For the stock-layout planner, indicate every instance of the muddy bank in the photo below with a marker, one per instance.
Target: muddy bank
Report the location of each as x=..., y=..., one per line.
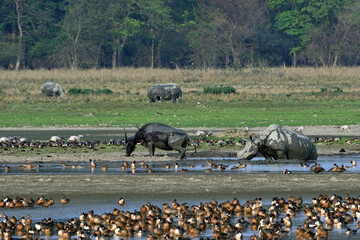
x=161, y=184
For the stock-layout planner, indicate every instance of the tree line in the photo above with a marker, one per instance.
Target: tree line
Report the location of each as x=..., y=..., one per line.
x=170, y=33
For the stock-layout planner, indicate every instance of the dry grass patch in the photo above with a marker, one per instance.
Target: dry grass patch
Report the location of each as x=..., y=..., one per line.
x=131, y=84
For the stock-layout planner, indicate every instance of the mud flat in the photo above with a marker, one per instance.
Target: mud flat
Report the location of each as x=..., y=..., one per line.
x=188, y=183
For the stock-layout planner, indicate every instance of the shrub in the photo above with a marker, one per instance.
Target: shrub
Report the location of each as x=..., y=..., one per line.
x=325, y=91
x=219, y=89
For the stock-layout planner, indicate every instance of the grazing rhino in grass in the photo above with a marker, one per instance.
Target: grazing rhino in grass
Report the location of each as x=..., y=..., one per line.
x=158, y=135
x=161, y=92
x=51, y=89
x=277, y=143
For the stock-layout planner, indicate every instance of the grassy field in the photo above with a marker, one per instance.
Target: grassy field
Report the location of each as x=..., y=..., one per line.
x=287, y=96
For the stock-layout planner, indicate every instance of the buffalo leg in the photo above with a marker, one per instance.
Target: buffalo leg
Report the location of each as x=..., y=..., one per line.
x=179, y=144
x=151, y=148
x=181, y=151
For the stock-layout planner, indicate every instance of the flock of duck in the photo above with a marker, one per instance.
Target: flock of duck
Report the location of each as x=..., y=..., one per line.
x=225, y=220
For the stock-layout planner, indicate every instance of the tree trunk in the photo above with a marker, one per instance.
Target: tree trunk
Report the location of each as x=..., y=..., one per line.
x=114, y=58
x=158, y=54
x=294, y=59
x=20, y=55
x=335, y=61
x=152, y=52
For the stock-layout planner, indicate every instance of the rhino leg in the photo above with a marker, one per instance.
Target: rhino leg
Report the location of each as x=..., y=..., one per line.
x=268, y=158
x=281, y=154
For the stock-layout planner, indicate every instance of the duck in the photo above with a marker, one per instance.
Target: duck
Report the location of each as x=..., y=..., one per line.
x=321, y=232
x=316, y=168
x=28, y=165
x=48, y=202
x=40, y=200
x=104, y=168
x=350, y=232
x=133, y=165
x=64, y=200
x=92, y=163
x=121, y=201
x=242, y=165
x=286, y=171
x=336, y=168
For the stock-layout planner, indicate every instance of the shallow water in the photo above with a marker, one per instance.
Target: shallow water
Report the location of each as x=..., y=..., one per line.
x=195, y=165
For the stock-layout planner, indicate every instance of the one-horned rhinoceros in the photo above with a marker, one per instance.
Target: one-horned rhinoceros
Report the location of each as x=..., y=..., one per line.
x=161, y=92
x=51, y=89
x=158, y=135
x=278, y=143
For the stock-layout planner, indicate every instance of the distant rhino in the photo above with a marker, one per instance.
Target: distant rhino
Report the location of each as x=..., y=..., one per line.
x=277, y=143
x=51, y=89
x=161, y=92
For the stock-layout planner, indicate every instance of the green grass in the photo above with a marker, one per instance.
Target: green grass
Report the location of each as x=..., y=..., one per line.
x=211, y=113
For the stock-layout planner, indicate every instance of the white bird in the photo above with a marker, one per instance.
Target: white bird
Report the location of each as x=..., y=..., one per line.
x=344, y=127
x=77, y=138
x=24, y=140
x=300, y=129
x=55, y=139
x=5, y=139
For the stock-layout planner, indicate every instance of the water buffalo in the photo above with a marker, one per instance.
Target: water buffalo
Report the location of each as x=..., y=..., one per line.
x=158, y=135
x=161, y=92
x=51, y=89
x=277, y=143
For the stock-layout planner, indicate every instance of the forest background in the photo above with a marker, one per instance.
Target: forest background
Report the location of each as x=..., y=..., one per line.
x=83, y=34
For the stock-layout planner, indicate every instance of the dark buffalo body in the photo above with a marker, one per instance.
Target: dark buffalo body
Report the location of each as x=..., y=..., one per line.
x=159, y=92
x=158, y=135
